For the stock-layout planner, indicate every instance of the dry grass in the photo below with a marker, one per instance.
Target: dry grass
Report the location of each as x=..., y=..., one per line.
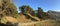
x=41, y=23
x=48, y=23
x=23, y=21
x=8, y=19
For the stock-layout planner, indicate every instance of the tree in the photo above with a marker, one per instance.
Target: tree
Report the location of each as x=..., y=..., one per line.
x=33, y=13
x=11, y=9
x=22, y=8
x=25, y=9
x=28, y=9
x=8, y=8
x=40, y=12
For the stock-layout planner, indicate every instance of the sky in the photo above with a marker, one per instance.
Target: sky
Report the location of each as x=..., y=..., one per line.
x=44, y=4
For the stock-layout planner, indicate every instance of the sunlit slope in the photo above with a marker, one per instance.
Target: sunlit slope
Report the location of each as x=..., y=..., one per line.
x=40, y=23
x=6, y=19
x=54, y=15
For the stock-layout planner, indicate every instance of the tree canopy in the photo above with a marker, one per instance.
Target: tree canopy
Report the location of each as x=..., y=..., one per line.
x=8, y=8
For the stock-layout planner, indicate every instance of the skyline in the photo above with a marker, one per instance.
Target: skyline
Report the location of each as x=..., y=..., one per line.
x=44, y=4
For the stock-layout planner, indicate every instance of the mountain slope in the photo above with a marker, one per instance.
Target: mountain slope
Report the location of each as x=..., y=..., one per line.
x=54, y=15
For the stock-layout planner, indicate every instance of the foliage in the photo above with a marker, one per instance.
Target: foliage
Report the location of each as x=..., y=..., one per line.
x=8, y=8
x=25, y=9
x=39, y=13
x=22, y=9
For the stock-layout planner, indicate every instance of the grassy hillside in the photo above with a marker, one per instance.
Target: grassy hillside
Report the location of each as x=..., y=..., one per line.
x=23, y=21
x=54, y=15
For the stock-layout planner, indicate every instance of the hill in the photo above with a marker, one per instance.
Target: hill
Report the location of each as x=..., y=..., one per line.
x=54, y=15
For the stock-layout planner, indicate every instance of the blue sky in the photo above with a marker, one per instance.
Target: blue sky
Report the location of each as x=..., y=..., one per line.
x=44, y=4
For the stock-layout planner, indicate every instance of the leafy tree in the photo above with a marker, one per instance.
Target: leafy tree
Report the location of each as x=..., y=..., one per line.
x=25, y=9
x=28, y=9
x=40, y=12
x=33, y=13
x=11, y=9
x=22, y=8
x=8, y=8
